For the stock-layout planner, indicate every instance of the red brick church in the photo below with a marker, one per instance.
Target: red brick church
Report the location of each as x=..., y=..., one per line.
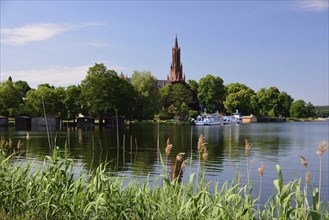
x=176, y=68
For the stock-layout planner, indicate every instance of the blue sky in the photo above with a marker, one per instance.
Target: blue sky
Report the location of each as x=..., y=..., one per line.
x=257, y=43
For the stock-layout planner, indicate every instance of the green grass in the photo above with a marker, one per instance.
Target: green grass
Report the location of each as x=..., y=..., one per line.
x=51, y=191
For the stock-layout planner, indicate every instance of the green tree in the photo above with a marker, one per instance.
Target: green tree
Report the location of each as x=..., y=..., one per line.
x=10, y=98
x=273, y=103
x=175, y=95
x=211, y=93
x=298, y=109
x=240, y=97
x=47, y=98
x=72, y=101
x=310, y=110
x=22, y=86
x=194, y=86
x=103, y=92
x=184, y=111
x=148, y=94
x=284, y=104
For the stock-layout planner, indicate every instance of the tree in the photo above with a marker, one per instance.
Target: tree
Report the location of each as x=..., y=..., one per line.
x=211, y=93
x=184, y=111
x=72, y=101
x=194, y=86
x=175, y=94
x=240, y=97
x=148, y=93
x=298, y=109
x=310, y=110
x=22, y=86
x=10, y=98
x=46, y=98
x=273, y=103
x=284, y=103
x=103, y=92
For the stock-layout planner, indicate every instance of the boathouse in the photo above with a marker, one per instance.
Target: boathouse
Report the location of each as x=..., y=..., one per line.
x=86, y=121
x=23, y=123
x=3, y=121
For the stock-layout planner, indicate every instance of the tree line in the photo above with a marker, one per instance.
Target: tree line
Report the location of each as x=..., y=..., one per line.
x=103, y=92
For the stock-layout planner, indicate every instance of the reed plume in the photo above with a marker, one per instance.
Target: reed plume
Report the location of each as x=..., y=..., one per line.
x=323, y=146
x=179, y=164
x=261, y=173
x=168, y=149
x=28, y=136
x=205, y=154
x=201, y=142
x=307, y=179
x=248, y=145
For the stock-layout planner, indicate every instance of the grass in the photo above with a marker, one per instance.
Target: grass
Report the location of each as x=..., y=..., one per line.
x=51, y=191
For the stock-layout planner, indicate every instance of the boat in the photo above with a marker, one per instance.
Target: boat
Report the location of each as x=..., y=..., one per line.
x=235, y=118
x=238, y=117
x=213, y=119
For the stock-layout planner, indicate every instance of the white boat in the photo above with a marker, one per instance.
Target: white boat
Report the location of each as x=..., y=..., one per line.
x=235, y=118
x=200, y=120
x=238, y=117
x=213, y=119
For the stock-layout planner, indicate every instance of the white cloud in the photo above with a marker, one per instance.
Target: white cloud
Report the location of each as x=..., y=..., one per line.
x=37, y=32
x=57, y=76
x=313, y=5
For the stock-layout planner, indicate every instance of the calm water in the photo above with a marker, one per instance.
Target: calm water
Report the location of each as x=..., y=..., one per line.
x=138, y=155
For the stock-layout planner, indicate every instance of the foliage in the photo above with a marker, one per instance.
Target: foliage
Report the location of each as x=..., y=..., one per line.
x=173, y=96
x=22, y=86
x=322, y=111
x=51, y=97
x=211, y=93
x=148, y=94
x=301, y=109
x=240, y=97
x=273, y=103
x=72, y=101
x=103, y=92
x=10, y=98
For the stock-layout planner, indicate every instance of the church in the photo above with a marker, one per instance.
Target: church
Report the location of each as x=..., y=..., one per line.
x=176, y=68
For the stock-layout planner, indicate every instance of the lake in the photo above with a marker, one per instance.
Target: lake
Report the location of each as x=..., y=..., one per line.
x=138, y=154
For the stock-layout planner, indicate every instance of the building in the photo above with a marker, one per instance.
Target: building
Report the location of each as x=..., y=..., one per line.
x=40, y=123
x=23, y=123
x=86, y=121
x=176, y=68
x=3, y=121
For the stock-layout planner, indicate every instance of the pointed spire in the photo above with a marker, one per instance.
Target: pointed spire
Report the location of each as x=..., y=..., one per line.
x=176, y=42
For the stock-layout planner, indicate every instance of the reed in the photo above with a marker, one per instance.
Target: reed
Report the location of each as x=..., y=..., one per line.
x=307, y=179
x=261, y=173
x=249, y=164
x=323, y=146
x=51, y=191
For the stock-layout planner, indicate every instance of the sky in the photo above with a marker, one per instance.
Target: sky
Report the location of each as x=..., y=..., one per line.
x=282, y=43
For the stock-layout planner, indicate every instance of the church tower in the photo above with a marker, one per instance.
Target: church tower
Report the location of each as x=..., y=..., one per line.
x=176, y=67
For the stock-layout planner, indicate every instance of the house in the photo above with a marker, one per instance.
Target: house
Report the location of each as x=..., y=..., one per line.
x=23, y=123
x=42, y=122
x=3, y=121
x=85, y=121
